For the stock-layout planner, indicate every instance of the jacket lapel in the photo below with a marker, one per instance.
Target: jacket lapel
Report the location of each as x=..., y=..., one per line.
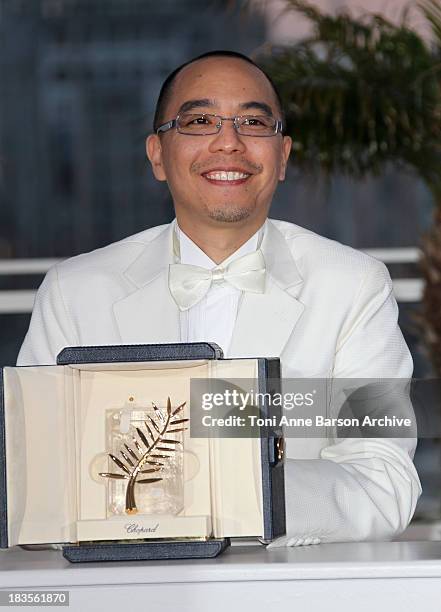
x=149, y=314
x=265, y=321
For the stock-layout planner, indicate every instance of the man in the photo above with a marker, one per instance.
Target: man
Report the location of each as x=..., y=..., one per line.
x=325, y=309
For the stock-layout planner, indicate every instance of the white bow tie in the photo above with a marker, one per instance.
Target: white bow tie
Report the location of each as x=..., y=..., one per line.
x=188, y=284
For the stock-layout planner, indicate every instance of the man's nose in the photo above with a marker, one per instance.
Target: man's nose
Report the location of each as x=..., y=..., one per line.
x=227, y=139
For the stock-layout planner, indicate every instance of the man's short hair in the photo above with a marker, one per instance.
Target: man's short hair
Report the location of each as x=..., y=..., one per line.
x=167, y=87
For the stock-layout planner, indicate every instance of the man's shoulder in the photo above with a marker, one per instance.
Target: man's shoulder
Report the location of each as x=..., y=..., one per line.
x=318, y=255
x=113, y=257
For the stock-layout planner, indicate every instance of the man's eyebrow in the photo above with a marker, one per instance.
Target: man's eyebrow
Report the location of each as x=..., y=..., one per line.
x=191, y=104
x=262, y=106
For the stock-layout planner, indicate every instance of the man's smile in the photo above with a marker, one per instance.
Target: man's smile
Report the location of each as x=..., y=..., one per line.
x=226, y=176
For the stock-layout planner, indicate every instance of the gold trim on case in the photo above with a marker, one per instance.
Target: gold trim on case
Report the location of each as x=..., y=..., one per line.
x=280, y=448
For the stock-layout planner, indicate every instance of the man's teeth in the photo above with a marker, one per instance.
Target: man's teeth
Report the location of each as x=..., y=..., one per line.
x=226, y=176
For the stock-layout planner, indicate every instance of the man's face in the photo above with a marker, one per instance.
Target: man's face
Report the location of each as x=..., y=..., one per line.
x=195, y=166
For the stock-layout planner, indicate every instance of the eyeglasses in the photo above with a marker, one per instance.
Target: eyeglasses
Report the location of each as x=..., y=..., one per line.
x=204, y=124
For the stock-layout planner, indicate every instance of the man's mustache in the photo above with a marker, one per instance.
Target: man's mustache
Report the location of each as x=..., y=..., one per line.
x=218, y=162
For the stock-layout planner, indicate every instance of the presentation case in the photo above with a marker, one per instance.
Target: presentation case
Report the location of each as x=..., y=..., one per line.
x=96, y=454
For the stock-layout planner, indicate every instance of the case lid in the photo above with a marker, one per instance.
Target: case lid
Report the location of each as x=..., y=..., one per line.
x=139, y=352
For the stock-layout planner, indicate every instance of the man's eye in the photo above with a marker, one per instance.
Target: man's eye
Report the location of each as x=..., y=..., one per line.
x=194, y=123
x=254, y=121
x=200, y=120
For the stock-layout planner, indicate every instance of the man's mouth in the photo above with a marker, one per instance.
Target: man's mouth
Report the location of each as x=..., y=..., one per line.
x=226, y=177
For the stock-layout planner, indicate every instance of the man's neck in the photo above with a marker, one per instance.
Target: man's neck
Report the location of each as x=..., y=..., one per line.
x=218, y=243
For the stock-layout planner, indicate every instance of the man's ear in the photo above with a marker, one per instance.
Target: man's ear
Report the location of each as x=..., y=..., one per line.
x=286, y=150
x=153, y=149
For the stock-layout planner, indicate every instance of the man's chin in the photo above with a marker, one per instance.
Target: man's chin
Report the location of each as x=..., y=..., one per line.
x=229, y=214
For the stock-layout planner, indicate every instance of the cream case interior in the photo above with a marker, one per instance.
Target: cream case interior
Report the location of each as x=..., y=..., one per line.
x=58, y=432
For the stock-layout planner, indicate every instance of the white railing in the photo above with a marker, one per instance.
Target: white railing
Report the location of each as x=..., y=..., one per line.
x=22, y=300
x=12, y=267
x=17, y=301
x=405, y=289
x=398, y=255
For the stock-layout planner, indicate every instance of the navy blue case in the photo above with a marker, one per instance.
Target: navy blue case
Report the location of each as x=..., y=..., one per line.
x=144, y=551
x=273, y=485
x=139, y=352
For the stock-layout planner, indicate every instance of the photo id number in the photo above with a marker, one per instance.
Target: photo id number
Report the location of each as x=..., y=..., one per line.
x=34, y=598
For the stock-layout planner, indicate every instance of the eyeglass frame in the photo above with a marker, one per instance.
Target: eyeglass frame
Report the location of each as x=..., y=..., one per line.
x=168, y=125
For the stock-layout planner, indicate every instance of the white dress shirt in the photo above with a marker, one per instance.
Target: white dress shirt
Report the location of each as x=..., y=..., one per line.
x=213, y=318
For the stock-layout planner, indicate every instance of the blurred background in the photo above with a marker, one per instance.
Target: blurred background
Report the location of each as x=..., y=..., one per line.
x=79, y=81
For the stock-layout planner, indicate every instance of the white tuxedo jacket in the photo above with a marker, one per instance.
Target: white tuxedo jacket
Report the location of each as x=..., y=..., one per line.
x=327, y=311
